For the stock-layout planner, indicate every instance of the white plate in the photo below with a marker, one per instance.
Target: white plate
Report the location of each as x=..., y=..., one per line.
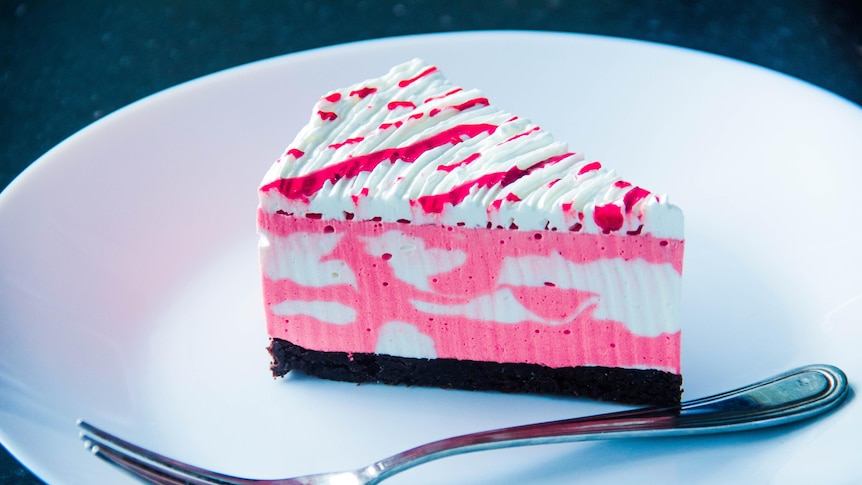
x=130, y=295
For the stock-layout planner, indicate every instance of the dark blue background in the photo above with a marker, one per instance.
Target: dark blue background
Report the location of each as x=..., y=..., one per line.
x=65, y=64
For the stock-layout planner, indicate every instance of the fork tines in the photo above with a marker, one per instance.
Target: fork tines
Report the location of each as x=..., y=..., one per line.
x=147, y=465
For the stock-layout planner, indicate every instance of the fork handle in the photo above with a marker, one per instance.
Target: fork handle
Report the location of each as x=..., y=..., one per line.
x=795, y=395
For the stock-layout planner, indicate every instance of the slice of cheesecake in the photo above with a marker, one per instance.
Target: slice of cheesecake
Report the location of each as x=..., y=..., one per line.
x=413, y=233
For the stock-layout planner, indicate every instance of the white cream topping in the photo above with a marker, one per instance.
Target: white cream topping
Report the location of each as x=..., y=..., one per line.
x=562, y=194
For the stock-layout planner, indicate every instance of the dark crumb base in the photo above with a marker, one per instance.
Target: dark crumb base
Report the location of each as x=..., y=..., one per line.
x=630, y=386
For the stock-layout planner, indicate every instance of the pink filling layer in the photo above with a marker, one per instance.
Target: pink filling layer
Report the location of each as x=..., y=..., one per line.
x=379, y=293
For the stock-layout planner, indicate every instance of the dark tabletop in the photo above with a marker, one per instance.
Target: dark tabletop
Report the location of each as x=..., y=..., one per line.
x=65, y=64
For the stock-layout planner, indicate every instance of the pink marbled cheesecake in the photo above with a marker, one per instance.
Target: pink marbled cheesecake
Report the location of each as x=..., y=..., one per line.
x=413, y=233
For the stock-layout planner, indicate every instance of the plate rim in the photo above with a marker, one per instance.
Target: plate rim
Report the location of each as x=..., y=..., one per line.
x=24, y=180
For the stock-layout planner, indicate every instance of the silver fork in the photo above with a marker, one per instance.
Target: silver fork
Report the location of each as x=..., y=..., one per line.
x=795, y=395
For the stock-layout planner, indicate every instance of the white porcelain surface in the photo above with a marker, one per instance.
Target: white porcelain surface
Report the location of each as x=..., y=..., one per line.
x=129, y=290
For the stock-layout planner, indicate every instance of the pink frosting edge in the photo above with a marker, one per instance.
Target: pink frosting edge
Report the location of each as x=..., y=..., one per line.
x=583, y=341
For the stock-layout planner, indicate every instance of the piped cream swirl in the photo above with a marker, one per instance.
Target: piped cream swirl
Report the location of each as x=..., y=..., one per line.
x=411, y=146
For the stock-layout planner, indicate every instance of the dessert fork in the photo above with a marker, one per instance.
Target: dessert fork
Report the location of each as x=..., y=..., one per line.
x=795, y=395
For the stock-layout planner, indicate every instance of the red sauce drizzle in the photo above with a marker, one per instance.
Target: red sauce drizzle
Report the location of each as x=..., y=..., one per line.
x=295, y=152
x=633, y=196
x=449, y=168
x=393, y=105
x=327, y=115
x=406, y=82
x=399, y=123
x=334, y=97
x=553, y=182
x=306, y=185
x=386, y=126
x=473, y=102
x=348, y=141
x=510, y=197
x=362, y=193
x=443, y=95
x=567, y=206
x=589, y=167
x=608, y=217
x=363, y=92
x=622, y=184
x=433, y=204
x=519, y=135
